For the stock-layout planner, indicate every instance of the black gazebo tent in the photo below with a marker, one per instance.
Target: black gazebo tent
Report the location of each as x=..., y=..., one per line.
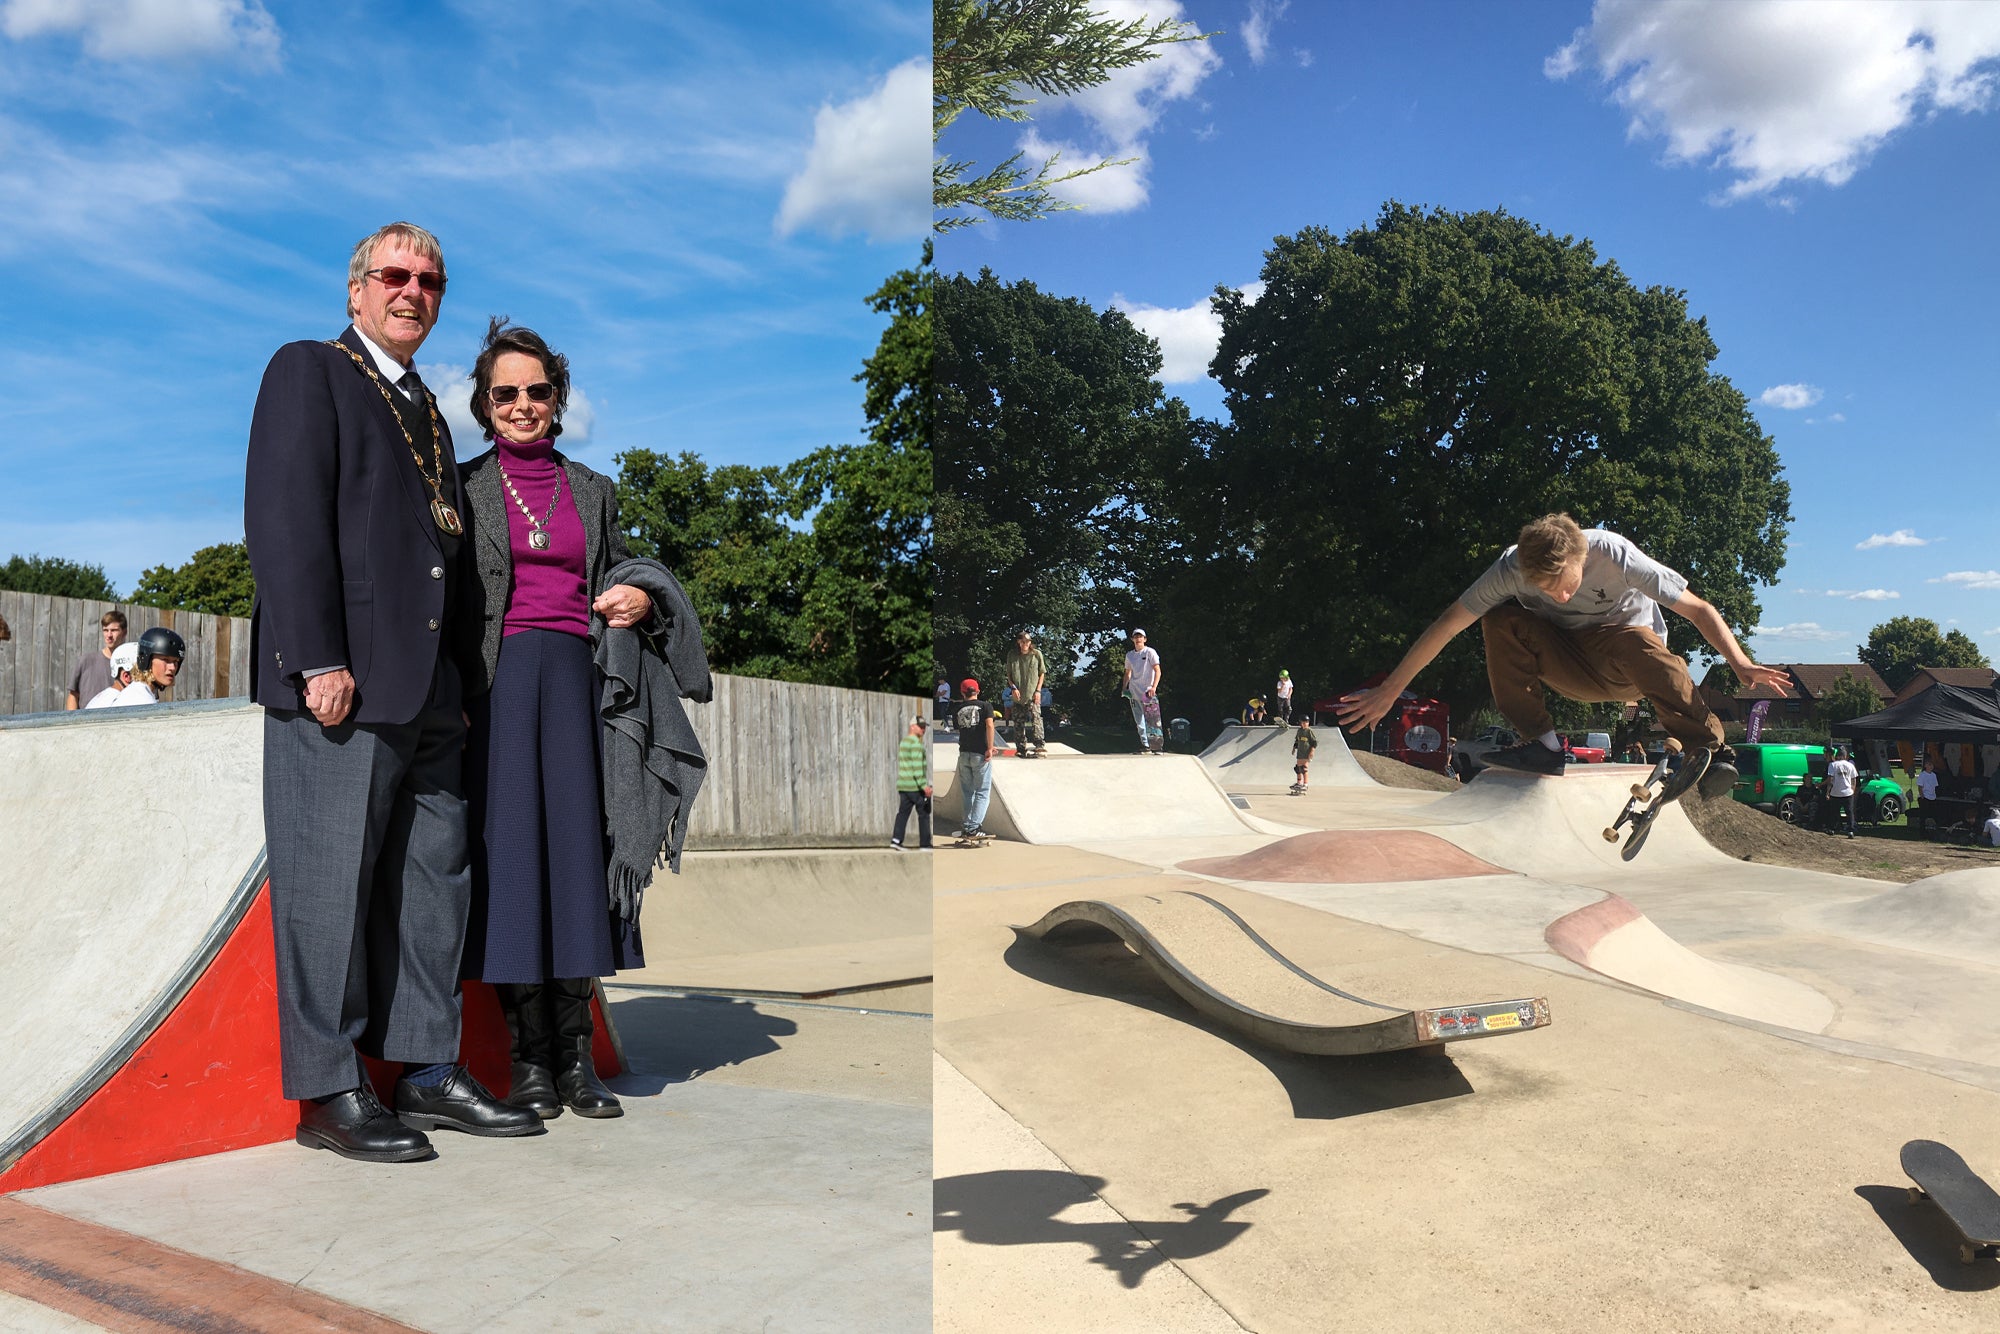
x=1942, y=713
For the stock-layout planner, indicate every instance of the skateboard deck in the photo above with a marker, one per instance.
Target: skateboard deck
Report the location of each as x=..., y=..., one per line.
x=1659, y=788
x=1966, y=1201
x=974, y=841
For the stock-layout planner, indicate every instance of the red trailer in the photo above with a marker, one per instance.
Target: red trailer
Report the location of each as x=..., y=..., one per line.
x=1417, y=731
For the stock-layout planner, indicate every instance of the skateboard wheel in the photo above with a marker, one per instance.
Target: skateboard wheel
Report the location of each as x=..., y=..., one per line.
x=1611, y=836
x=1916, y=1196
x=1967, y=1253
x=1639, y=791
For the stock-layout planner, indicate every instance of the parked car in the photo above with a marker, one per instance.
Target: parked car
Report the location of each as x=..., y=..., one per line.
x=1591, y=751
x=1773, y=776
x=1468, y=757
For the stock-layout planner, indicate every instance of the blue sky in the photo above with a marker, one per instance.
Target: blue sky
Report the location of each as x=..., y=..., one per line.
x=1819, y=179
x=691, y=200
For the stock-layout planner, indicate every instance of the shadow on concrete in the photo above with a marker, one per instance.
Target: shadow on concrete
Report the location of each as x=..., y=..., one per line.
x=1019, y=1208
x=1322, y=1088
x=672, y=1039
x=1931, y=1240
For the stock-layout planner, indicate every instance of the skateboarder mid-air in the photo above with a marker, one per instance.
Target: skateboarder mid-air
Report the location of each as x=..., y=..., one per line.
x=1577, y=611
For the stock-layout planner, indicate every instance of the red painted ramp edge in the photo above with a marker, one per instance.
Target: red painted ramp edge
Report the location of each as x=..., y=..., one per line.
x=203, y=1076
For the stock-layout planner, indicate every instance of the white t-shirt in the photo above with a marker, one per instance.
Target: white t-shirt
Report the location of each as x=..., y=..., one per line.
x=112, y=697
x=1840, y=776
x=1144, y=664
x=1622, y=585
x=1991, y=832
x=1927, y=785
x=102, y=699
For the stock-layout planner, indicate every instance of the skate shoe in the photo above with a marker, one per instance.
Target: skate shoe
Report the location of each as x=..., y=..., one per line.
x=1528, y=756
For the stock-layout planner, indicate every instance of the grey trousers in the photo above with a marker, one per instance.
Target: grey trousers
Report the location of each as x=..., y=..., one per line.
x=365, y=828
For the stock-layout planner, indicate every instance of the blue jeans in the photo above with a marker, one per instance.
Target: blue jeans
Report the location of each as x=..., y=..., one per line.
x=1147, y=731
x=975, y=787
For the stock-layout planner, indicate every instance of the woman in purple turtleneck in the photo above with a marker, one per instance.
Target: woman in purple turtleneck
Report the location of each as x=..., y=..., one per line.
x=542, y=530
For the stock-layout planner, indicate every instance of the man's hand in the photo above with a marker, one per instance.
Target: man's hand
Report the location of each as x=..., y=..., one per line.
x=623, y=606
x=330, y=697
x=1750, y=674
x=1365, y=708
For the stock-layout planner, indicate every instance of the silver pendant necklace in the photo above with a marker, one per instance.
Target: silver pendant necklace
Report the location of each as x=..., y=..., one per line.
x=538, y=529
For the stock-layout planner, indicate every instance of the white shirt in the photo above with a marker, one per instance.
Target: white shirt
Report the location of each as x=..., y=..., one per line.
x=1840, y=776
x=102, y=698
x=391, y=370
x=1927, y=785
x=113, y=698
x=1144, y=665
x=1991, y=833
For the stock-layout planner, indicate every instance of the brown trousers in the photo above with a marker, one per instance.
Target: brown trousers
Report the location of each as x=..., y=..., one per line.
x=1611, y=664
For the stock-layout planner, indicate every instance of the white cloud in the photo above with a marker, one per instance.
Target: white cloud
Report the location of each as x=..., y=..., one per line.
x=1305, y=57
x=1122, y=111
x=1187, y=335
x=1783, y=91
x=1864, y=595
x=1790, y=397
x=1831, y=418
x=150, y=29
x=1971, y=579
x=1802, y=631
x=1257, y=26
x=1902, y=537
x=869, y=166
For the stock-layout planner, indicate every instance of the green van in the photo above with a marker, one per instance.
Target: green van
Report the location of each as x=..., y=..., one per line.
x=1769, y=776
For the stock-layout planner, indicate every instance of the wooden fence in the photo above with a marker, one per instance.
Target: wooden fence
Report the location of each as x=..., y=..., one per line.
x=47, y=635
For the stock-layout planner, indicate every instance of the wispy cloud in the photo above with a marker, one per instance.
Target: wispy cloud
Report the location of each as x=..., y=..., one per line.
x=1809, y=632
x=1863, y=595
x=1187, y=335
x=1983, y=579
x=150, y=30
x=868, y=170
x=1257, y=27
x=1790, y=397
x=1775, y=93
x=1117, y=188
x=1902, y=537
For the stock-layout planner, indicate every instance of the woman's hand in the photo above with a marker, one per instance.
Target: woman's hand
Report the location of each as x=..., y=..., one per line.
x=623, y=606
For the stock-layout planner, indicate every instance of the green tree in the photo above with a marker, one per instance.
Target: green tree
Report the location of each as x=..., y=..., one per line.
x=216, y=580
x=1404, y=397
x=1900, y=645
x=866, y=608
x=1058, y=445
x=987, y=55
x=57, y=577
x=1849, y=697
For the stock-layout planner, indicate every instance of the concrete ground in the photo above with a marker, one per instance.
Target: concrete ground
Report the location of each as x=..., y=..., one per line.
x=1641, y=1164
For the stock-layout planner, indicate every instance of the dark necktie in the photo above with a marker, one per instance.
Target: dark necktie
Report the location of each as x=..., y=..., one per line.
x=412, y=386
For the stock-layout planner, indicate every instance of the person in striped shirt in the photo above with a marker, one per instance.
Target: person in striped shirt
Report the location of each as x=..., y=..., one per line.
x=913, y=786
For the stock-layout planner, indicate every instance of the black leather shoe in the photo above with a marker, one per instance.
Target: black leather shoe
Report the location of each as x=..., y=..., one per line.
x=462, y=1103
x=581, y=1090
x=356, y=1125
x=535, y=1089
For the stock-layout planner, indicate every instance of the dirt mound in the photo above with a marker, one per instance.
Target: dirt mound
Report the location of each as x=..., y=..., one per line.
x=1395, y=773
x=1747, y=834
x=1348, y=857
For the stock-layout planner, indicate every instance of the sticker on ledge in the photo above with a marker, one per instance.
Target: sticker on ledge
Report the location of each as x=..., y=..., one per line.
x=1505, y=1019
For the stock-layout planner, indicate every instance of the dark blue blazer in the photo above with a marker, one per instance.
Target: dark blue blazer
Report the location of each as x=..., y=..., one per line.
x=351, y=568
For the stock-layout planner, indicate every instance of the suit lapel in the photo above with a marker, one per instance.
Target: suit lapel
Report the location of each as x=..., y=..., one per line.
x=392, y=425
x=489, y=507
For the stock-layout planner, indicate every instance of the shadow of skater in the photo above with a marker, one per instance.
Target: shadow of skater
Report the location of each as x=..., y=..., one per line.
x=1019, y=1208
x=1931, y=1241
x=673, y=1039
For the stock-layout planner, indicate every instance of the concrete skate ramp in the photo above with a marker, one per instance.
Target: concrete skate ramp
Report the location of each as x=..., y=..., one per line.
x=1215, y=962
x=1614, y=938
x=1956, y=914
x=1347, y=857
x=1554, y=826
x=1261, y=757
x=1092, y=798
x=134, y=844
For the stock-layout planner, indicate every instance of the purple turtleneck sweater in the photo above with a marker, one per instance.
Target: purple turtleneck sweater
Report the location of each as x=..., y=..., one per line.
x=549, y=589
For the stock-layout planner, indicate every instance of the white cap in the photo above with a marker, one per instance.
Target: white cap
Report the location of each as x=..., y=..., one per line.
x=125, y=658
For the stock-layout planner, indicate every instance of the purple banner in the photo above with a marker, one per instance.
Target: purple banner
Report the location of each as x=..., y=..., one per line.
x=1755, y=727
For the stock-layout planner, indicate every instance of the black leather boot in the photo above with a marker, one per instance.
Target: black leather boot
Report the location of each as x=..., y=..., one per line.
x=529, y=1024
x=576, y=1072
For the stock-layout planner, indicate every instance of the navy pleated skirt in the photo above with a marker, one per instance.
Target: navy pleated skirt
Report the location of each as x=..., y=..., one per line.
x=540, y=908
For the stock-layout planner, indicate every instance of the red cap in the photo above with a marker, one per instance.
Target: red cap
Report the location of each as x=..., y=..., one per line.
x=968, y=685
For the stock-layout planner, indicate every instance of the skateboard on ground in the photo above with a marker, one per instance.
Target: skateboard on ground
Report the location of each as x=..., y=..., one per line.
x=1298, y=789
x=1660, y=787
x=978, y=840
x=1966, y=1201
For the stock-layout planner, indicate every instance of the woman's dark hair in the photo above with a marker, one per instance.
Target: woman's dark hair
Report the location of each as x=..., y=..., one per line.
x=502, y=337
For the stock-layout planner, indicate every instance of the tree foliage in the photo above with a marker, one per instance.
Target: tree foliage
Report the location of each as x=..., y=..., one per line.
x=1900, y=645
x=216, y=580
x=1404, y=397
x=57, y=577
x=1058, y=447
x=1849, y=697
x=988, y=55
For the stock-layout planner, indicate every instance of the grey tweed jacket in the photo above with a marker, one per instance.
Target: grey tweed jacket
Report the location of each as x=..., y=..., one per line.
x=488, y=575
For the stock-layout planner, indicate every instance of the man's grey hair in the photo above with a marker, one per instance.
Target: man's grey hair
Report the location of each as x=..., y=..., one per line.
x=414, y=236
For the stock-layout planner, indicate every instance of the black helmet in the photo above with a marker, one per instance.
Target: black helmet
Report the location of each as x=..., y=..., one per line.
x=160, y=642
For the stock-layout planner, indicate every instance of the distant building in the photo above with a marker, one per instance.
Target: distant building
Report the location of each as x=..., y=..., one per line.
x=1971, y=678
x=1810, y=682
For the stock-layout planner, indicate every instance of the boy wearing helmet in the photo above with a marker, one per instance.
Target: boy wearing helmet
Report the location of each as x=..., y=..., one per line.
x=124, y=659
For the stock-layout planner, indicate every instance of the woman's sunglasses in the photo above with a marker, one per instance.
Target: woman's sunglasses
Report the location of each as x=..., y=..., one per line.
x=503, y=394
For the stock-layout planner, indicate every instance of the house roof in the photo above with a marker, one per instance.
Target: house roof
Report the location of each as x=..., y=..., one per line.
x=1972, y=678
x=1816, y=678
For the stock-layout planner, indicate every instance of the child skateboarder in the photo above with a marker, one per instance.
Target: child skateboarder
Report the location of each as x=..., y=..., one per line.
x=1303, y=746
x=1578, y=611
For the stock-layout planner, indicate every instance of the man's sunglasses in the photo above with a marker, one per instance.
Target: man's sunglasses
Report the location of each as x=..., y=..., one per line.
x=397, y=279
x=503, y=394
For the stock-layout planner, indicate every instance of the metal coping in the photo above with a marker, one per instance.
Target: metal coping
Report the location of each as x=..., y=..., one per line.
x=155, y=712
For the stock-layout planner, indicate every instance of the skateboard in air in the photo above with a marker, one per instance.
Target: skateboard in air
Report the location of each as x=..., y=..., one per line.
x=1660, y=787
x=1966, y=1201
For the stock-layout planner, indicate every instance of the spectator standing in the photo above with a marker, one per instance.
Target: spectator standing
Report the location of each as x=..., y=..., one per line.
x=1026, y=672
x=974, y=720
x=1281, y=695
x=942, y=694
x=1140, y=685
x=1840, y=782
x=913, y=786
x=124, y=659
x=93, y=669
x=1927, y=785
